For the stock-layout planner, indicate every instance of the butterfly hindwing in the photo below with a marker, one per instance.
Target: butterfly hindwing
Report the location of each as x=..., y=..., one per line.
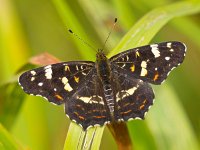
x=133, y=96
x=151, y=63
x=56, y=82
x=86, y=107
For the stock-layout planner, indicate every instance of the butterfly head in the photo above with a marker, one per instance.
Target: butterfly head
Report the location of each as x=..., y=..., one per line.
x=100, y=55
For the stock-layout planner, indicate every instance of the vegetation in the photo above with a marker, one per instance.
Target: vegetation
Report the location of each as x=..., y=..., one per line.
x=29, y=28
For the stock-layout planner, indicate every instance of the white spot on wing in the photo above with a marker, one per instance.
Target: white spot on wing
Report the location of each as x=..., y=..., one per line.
x=77, y=67
x=127, y=58
x=84, y=73
x=40, y=84
x=167, y=58
x=123, y=65
x=144, y=64
x=32, y=78
x=89, y=99
x=64, y=80
x=185, y=47
x=138, y=118
x=143, y=72
x=169, y=45
x=33, y=72
x=48, y=72
x=154, y=49
x=67, y=86
x=128, y=92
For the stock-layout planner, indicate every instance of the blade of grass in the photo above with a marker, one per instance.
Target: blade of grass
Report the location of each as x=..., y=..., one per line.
x=71, y=21
x=79, y=139
x=141, y=33
x=6, y=140
x=12, y=41
x=11, y=100
x=193, y=33
x=148, y=26
x=172, y=129
x=124, y=9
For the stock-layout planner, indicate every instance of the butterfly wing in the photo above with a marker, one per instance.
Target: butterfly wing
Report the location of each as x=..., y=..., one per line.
x=151, y=63
x=56, y=82
x=86, y=107
x=133, y=96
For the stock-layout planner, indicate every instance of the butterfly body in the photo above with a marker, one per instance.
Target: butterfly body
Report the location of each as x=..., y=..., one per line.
x=104, y=74
x=108, y=90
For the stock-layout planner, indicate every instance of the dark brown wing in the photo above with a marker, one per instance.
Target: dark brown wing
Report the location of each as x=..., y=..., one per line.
x=86, y=107
x=151, y=63
x=55, y=82
x=133, y=96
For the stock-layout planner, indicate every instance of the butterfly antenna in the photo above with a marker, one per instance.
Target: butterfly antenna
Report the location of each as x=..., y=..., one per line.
x=115, y=21
x=70, y=31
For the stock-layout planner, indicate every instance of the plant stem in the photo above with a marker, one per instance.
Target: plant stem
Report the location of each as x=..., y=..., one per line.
x=121, y=135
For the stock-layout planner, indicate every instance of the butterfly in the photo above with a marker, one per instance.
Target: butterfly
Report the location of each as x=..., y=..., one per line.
x=108, y=90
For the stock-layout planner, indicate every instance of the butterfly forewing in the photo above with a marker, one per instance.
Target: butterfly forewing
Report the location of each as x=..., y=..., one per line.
x=151, y=63
x=86, y=107
x=56, y=82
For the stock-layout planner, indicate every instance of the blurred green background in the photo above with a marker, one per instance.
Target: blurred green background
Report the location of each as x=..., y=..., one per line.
x=28, y=28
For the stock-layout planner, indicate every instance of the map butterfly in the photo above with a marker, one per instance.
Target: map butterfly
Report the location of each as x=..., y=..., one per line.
x=108, y=90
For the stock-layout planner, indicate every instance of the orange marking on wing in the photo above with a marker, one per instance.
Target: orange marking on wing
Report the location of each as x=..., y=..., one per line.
x=141, y=107
x=126, y=112
x=132, y=68
x=144, y=102
x=76, y=79
x=126, y=104
x=58, y=97
x=156, y=76
x=80, y=107
x=99, y=117
x=80, y=117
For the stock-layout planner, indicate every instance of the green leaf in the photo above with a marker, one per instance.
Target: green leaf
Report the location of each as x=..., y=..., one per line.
x=11, y=99
x=141, y=33
x=148, y=26
x=168, y=122
x=7, y=142
x=79, y=139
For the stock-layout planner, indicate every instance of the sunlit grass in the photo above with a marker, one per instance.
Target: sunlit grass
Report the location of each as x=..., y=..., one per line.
x=172, y=123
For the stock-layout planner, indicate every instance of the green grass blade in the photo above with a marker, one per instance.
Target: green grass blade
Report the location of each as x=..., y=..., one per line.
x=11, y=100
x=141, y=33
x=148, y=26
x=193, y=33
x=69, y=18
x=170, y=125
x=79, y=139
x=6, y=140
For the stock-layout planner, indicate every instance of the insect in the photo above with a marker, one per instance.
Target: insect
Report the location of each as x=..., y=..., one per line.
x=108, y=90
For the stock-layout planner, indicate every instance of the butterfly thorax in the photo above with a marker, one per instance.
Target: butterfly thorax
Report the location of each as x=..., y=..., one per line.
x=105, y=75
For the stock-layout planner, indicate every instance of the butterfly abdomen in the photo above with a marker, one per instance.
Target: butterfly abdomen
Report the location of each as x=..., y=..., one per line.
x=104, y=73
